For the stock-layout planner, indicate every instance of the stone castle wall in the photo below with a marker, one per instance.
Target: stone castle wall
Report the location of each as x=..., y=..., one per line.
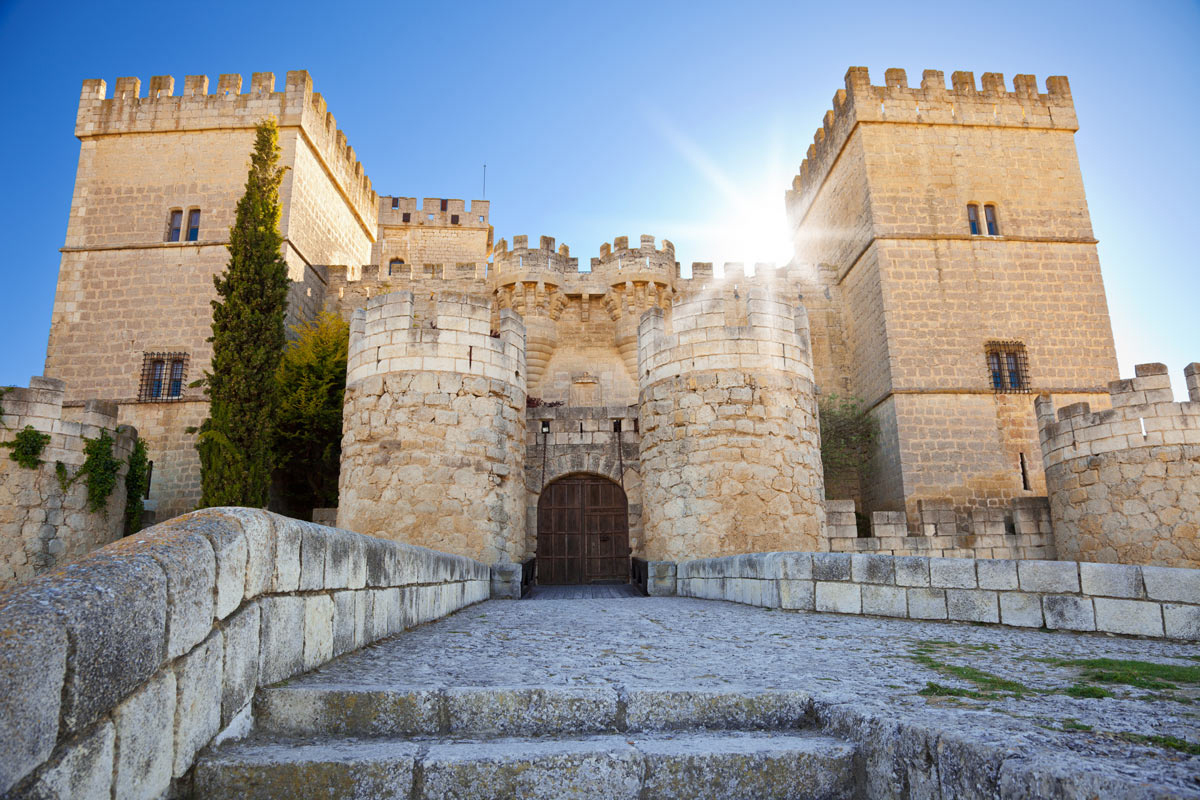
x=730, y=448
x=431, y=235
x=880, y=205
x=433, y=451
x=40, y=525
x=1125, y=483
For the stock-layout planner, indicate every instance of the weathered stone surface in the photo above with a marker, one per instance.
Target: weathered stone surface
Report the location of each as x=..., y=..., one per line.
x=240, y=671
x=840, y=598
x=1181, y=622
x=927, y=603
x=282, y=639
x=1048, y=576
x=329, y=771
x=258, y=532
x=83, y=771
x=747, y=767
x=972, y=605
x=868, y=568
x=952, y=573
x=796, y=594
x=145, y=738
x=912, y=571
x=1173, y=585
x=1134, y=617
x=997, y=573
x=33, y=664
x=604, y=768
x=224, y=534
x=313, y=544
x=288, y=539
x=318, y=630
x=1021, y=609
x=314, y=710
x=1068, y=612
x=679, y=709
x=187, y=559
x=343, y=622
x=497, y=711
x=831, y=566
x=198, y=682
x=1111, y=580
x=886, y=601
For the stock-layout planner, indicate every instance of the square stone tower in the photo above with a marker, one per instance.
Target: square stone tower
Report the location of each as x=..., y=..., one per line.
x=159, y=177
x=949, y=233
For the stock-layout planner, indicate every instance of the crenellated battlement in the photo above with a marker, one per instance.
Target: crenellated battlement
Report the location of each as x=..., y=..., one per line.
x=386, y=337
x=160, y=110
x=991, y=104
x=528, y=264
x=433, y=211
x=752, y=331
x=620, y=263
x=1143, y=414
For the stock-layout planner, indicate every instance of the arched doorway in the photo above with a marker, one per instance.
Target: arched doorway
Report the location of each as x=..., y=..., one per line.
x=583, y=532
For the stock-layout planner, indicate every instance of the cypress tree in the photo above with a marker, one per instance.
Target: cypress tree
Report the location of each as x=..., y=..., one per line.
x=236, y=442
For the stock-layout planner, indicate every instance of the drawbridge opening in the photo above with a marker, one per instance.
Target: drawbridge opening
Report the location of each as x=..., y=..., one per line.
x=583, y=532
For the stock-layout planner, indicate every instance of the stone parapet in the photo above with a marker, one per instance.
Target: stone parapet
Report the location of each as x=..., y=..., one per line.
x=1060, y=595
x=41, y=524
x=156, y=644
x=436, y=211
x=1124, y=483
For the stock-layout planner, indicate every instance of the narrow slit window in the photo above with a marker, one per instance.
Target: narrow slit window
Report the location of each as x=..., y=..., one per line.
x=973, y=219
x=193, y=230
x=616, y=426
x=1024, y=473
x=174, y=226
x=989, y=213
x=545, y=426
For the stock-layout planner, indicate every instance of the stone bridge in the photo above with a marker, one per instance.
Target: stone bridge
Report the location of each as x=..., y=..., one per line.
x=234, y=653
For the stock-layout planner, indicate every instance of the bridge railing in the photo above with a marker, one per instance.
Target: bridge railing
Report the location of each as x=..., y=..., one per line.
x=117, y=669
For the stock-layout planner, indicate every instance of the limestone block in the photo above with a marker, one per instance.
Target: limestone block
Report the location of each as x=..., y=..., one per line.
x=926, y=603
x=379, y=559
x=381, y=609
x=1048, y=576
x=791, y=566
x=768, y=594
x=343, y=621
x=281, y=648
x=794, y=594
x=1181, y=622
x=1020, y=609
x=82, y=770
x=872, y=568
x=839, y=598
x=1172, y=584
x=505, y=581
x=113, y=604
x=996, y=573
x=952, y=573
x=531, y=711
x=681, y=709
x=972, y=605
x=225, y=536
x=831, y=566
x=884, y=601
x=1111, y=580
x=187, y=559
x=144, y=740
x=240, y=671
x=318, y=630
x=33, y=663
x=661, y=577
x=339, y=547
x=312, y=557
x=1068, y=612
x=1133, y=617
x=288, y=544
x=912, y=570
x=258, y=532
x=198, y=681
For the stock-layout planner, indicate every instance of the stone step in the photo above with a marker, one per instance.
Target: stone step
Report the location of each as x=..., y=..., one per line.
x=722, y=766
x=487, y=711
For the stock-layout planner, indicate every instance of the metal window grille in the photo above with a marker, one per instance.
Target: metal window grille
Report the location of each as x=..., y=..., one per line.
x=163, y=376
x=1008, y=366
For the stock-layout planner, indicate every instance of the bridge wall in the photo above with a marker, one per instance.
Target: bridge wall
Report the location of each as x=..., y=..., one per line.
x=120, y=667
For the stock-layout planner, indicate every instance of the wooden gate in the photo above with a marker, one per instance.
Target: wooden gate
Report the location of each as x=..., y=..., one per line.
x=583, y=532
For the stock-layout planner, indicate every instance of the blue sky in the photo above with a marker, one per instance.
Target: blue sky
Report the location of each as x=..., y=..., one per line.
x=597, y=120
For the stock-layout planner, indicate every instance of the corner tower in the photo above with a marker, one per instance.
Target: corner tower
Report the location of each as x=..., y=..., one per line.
x=953, y=225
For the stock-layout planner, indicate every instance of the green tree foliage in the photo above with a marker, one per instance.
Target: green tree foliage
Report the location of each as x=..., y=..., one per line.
x=312, y=380
x=237, y=441
x=848, y=436
x=136, y=482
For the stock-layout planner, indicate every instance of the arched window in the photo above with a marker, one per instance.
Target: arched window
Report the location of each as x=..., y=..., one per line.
x=395, y=266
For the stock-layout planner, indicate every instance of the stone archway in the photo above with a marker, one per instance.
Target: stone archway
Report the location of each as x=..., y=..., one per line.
x=583, y=531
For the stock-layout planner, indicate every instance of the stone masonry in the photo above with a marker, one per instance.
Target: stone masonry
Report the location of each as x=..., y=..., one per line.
x=434, y=429
x=1125, y=483
x=730, y=447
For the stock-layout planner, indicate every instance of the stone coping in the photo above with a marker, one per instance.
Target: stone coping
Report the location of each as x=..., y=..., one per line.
x=1060, y=595
x=120, y=667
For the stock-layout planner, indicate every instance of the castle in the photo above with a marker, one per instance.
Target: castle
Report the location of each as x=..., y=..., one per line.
x=503, y=403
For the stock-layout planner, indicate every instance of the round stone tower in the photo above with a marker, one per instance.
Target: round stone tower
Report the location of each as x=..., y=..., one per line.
x=433, y=445
x=529, y=280
x=730, y=446
x=638, y=279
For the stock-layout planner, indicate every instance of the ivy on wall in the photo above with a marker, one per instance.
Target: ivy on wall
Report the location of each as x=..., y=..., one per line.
x=27, y=447
x=99, y=471
x=136, y=483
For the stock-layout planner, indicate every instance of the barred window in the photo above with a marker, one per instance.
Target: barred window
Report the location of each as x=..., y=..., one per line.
x=163, y=376
x=1008, y=365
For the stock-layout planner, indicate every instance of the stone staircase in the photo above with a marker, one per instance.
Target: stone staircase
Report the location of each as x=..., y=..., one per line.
x=331, y=742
